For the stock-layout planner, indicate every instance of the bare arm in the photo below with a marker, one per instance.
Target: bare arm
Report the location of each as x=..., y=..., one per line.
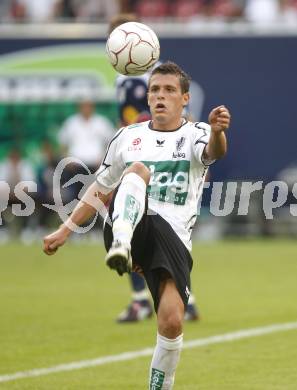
x=219, y=119
x=92, y=201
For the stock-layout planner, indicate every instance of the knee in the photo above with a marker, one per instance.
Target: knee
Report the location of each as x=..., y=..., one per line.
x=140, y=169
x=171, y=326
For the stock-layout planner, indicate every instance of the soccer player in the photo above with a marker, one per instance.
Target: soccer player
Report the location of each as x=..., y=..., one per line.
x=157, y=169
x=133, y=108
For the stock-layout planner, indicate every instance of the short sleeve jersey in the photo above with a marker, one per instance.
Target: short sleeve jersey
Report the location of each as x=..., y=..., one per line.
x=175, y=160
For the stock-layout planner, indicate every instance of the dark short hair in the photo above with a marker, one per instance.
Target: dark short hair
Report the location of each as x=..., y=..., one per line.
x=172, y=68
x=119, y=19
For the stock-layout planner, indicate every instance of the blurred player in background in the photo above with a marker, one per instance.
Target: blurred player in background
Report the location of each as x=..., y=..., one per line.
x=131, y=92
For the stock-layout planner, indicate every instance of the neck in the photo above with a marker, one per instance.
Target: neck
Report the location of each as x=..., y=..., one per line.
x=167, y=126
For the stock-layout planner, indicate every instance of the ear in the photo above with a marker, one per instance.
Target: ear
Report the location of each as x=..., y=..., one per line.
x=186, y=98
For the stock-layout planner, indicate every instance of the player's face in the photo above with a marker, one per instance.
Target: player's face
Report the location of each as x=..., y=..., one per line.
x=166, y=101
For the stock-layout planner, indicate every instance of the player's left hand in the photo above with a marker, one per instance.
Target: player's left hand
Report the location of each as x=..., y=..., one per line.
x=219, y=119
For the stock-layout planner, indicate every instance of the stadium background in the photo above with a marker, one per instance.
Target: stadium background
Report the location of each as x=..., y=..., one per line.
x=250, y=70
x=61, y=309
x=253, y=75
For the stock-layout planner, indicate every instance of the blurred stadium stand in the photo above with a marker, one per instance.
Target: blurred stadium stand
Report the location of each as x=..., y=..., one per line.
x=36, y=11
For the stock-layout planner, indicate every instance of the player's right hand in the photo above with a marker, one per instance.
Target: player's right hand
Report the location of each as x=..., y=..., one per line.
x=219, y=119
x=53, y=241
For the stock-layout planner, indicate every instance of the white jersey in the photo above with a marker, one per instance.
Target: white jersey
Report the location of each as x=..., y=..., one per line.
x=86, y=139
x=177, y=169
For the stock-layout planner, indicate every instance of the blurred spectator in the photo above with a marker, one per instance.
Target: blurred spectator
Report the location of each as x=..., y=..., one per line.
x=84, y=136
x=262, y=11
x=89, y=10
x=35, y=11
x=255, y=11
x=152, y=9
x=5, y=10
x=127, y=6
x=226, y=9
x=184, y=9
x=13, y=170
x=289, y=11
x=45, y=185
x=46, y=172
x=66, y=9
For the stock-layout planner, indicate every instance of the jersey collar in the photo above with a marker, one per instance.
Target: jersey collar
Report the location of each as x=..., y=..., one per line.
x=150, y=125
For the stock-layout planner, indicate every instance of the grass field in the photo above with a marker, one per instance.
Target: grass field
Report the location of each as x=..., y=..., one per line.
x=61, y=309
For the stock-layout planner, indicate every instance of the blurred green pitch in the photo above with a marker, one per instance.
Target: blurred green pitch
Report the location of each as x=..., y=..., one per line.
x=61, y=309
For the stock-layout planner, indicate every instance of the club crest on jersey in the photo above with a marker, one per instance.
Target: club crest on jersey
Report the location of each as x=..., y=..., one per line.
x=136, y=145
x=160, y=143
x=179, y=144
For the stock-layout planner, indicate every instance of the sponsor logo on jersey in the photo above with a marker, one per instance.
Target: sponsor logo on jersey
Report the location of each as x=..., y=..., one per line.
x=136, y=145
x=160, y=143
x=169, y=180
x=179, y=144
x=178, y=155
